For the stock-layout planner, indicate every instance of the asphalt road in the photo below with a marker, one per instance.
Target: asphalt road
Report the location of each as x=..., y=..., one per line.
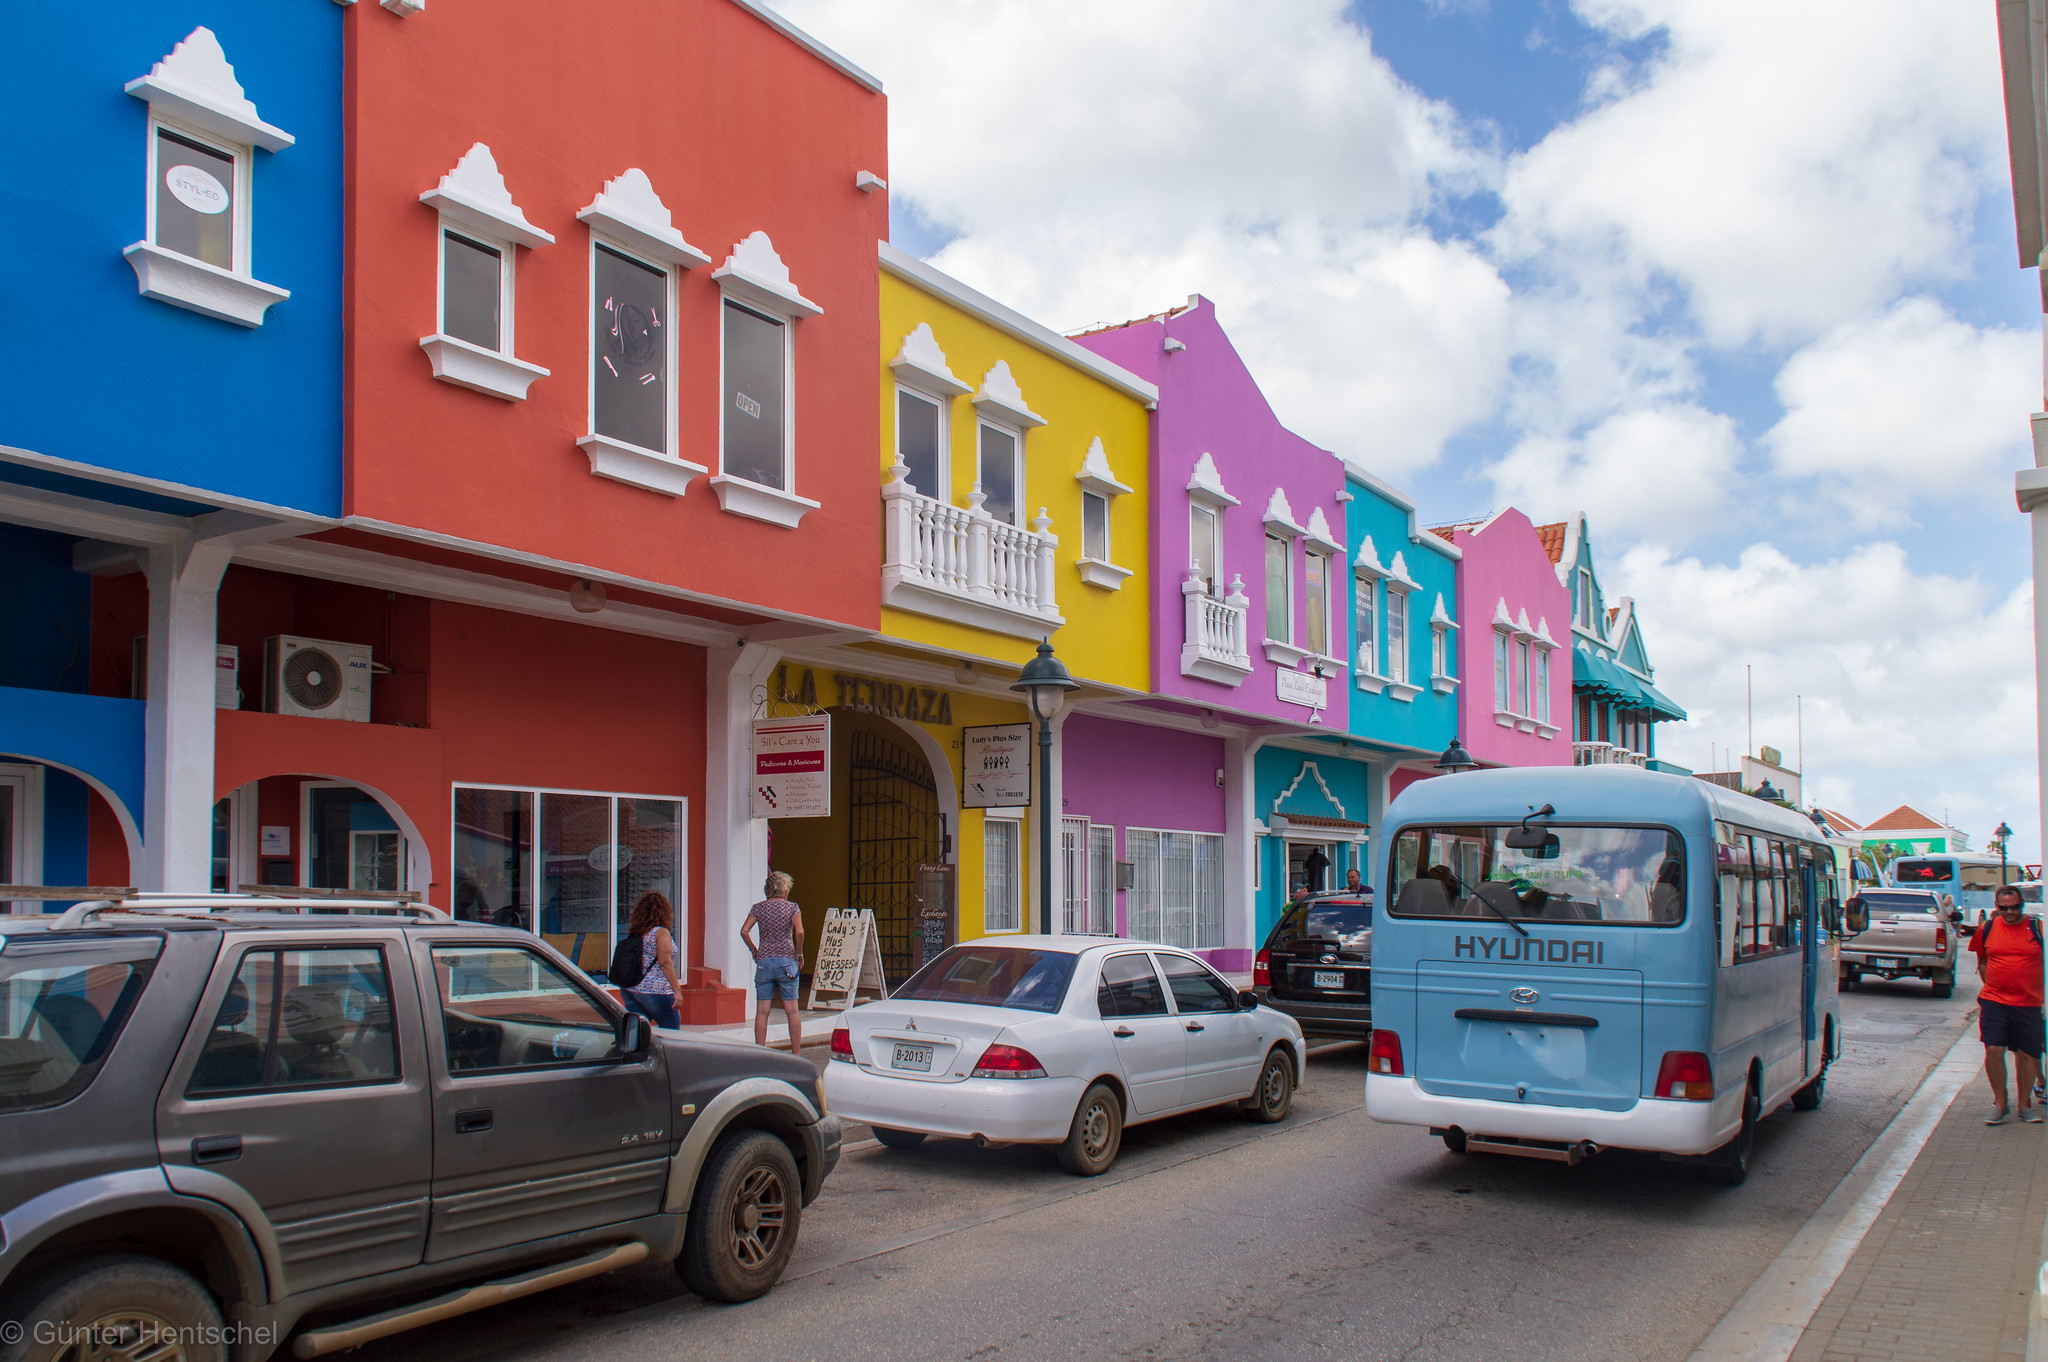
x=1324, y=1237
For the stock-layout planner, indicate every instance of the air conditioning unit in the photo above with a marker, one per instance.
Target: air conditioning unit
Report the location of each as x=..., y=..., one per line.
x=316, y=679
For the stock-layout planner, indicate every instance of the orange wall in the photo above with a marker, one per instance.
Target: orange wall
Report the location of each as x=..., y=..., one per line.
x=739, y=129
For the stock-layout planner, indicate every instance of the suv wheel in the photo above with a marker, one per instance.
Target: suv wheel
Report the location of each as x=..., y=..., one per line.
x=1097, y=1133
x=1274, y=1096
x=116, y=1309
x=743, y=1222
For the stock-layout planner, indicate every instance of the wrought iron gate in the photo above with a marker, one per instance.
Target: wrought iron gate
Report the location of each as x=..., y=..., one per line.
x=895, y=829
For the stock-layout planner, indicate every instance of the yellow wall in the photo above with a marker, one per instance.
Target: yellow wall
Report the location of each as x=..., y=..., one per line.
x=1106, y=637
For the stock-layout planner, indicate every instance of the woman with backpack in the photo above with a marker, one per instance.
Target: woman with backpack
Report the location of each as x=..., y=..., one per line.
x=644, y=965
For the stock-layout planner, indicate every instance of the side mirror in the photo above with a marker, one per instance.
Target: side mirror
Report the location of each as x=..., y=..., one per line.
x=636, y=1036
x=1247, y=999
x=1857, y=915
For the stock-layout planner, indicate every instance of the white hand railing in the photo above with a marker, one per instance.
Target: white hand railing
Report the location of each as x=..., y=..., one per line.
x=1215, y=647
x=1605, y=754
x=935, y=549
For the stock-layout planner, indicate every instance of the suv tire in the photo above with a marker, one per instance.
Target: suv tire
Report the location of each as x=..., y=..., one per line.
x=1944, y=985
x=1274, y=1097
x=898, y=1139
x=743, y=1221
x=120, y=1294
x=1097, y=1133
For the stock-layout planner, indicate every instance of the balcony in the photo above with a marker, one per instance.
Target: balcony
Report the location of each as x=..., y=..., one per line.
x=1215, y=648
x=966, y=566
x=1605, y=754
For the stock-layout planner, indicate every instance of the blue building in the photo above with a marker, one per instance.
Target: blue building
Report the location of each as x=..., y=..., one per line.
x=1615, y=706
x=175, y=225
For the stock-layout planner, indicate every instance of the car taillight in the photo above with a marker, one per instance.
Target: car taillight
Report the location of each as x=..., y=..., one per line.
x=1686, y=1076
x=1007, y=1061
x=842, y=1044
x=1262, y=969
x=1385, y=1055
x=1940, y=937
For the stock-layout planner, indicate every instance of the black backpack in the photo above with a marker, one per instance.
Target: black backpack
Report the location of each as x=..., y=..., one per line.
x=629, y=963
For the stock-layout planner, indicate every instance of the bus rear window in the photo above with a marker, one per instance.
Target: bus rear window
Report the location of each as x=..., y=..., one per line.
x=1922, y=872
x=1610, y=874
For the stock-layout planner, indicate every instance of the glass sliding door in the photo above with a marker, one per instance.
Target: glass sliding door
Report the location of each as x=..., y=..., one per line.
x=575, y=876
x=494, y=856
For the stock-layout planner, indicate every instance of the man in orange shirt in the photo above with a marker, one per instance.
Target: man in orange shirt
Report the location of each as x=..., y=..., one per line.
x=2008, y=947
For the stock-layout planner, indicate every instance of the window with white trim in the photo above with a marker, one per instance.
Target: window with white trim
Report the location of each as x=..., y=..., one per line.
x=476, y=291
x=1279, y=589
x=1101, y=879
x=1397, y=634
x=632, y=348
x=1500, y=672
x=1095, y=526
x=921, y=442
x=1001, y=472
x=1316, y=576
x=1002, y=875
x=1205, y=544
x=755, y=442
x=197, y=197
x=1366, y=612
x=1521, y=677
x=1542, y=711
x=1439, y=650
x=1177, y=895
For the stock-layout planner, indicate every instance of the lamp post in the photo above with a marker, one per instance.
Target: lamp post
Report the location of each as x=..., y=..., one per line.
x=1768, y=791
x=1045, y=683
x=2002, y=833
x=1455, y=759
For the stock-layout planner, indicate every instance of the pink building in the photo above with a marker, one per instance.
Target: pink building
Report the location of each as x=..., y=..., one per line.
x=1514, y=649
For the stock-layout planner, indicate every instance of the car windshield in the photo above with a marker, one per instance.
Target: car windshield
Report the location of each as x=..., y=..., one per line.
x=1579, y=874
x=1922, y=872
x=62, y=1003
x=1891, y=905
x=1347, y=921
x=993, y=976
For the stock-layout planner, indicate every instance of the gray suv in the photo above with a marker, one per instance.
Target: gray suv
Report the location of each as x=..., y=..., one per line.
x=329, y=1122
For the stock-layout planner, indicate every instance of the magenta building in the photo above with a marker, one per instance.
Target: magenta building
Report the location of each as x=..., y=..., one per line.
x=1514, y=646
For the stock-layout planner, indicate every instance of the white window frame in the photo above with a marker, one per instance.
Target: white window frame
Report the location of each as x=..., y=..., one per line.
x=788, y=325
x=1503, y=674
x=305, y=830
x=1102, y=887
x=1330, y=631
x=1522, y=687
x=1015, y=908
x=1108, y=553
x=26, y=834
x=507, y=260
x=755, y=278
x=1365, y=611
x=1541, y=689
x=983, y=421
x=1266, y=582
x=1099, y=482
x=1206, y=929
x=240, y=153
x=1214, y=587
x=1074, y=877
x=599, y=241
x=498, y=373
x=1398, y=662
x=944, y=402
x=1439, y=652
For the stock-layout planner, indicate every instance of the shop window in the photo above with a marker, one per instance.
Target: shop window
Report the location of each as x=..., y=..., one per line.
x=1279, y=590
x=21, y=831
x=567, y=864
x=349, y=841
x=1002, y=875
x=197, y=200
x=921, y=443
x=1101, y=880
x=1074, y=869
x=1176, y=897
x=632, y=348
x=1001, y=473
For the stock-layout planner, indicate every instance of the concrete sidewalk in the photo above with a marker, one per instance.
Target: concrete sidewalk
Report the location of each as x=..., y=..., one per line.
x=1947, y=1270
x=816, y=1028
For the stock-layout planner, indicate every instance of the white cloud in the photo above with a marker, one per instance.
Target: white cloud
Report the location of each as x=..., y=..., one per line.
x=1659, y=474
x=1097, y=162
x=1917, y=688
x=1907, y=410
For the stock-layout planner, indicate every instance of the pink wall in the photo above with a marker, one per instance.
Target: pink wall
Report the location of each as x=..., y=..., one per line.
x=1139, y=776
x=1504, y=561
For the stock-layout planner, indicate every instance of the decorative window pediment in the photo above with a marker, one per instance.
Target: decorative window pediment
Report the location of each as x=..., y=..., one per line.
x=1397, y=575
x=1543, y=638
x=628, y=209
x=1502, y=620
x=1205, y=484
x=1441, y=616
x=1367, y=564
x=921, y=362
x=1001, y=398
x=1279, y=515
x=1095, y=474
x=195, y=85
x=473, y=195
x=1318, y=532
x=754, y=273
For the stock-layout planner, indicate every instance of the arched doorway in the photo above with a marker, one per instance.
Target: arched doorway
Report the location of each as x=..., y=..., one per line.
x=320, y=831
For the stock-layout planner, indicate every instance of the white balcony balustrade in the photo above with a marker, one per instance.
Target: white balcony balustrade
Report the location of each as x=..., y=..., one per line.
x=1605, y=754
x=965, y=565
x=1215, y=648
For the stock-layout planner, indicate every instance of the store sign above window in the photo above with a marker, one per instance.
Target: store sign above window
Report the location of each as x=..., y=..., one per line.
x=872, y=695
x=996, y=766
x=1300, y=688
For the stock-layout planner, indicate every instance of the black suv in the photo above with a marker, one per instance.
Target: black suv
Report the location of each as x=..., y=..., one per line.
x=224, y=1129
x=1316, y=965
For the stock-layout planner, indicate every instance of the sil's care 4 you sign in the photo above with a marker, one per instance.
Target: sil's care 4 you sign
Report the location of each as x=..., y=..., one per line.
x=793, y=767
x=996, y=766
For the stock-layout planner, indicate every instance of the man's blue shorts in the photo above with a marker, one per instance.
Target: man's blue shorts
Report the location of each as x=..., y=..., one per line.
x=2016, y=1028
x=773, y=973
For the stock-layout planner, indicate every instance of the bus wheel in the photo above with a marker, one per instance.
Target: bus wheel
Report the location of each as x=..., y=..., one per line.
x=1850, y=978
x=1730, y=1164
x=1808, y=1097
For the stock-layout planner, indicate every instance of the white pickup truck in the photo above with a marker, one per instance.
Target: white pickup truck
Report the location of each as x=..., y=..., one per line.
x=1907, y=934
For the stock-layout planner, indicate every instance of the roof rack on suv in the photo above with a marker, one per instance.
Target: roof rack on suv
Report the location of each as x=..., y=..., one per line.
x=276, y=899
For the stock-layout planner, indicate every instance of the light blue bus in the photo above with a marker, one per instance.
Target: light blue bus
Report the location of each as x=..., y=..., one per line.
x=1572, y=958
x=1968, y=879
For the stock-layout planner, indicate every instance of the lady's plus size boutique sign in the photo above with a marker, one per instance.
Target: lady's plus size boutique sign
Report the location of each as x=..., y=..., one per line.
x=996, y=766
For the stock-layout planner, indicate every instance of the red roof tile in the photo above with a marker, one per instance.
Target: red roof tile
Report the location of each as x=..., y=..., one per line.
x=1903, y=817
x=1553, y=539
x=1448, y=533
x=1840, y=822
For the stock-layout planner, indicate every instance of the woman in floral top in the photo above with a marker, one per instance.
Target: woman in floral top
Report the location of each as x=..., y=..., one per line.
x=778, y=956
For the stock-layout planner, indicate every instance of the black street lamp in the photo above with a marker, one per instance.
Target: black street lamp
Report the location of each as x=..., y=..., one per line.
x=2003, y=834
x=1045, y=684
x=1455, y=759
x=1768, y=791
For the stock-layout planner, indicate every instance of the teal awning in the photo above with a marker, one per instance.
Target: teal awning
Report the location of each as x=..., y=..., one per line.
x=1658, y=703
x=1602, y=678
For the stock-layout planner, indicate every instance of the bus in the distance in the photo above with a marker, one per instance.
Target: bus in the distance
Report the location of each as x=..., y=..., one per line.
x=1571, y=958
x=1967, y=878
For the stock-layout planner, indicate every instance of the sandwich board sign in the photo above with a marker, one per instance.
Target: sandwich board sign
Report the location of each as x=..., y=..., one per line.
x=849, y=960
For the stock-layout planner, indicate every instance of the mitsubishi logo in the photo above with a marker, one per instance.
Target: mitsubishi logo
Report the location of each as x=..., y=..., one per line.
x=1523, y=996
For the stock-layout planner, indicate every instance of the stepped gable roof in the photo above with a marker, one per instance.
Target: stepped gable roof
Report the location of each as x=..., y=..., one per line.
x=1902, y=818
x=1167, y=315
x=1840, y=822
x=1552, y=537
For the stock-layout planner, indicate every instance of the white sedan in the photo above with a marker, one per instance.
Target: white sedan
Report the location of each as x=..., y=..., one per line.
x=1059, y=1040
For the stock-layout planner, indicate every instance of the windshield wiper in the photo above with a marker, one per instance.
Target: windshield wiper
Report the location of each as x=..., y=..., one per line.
x=1493, y=908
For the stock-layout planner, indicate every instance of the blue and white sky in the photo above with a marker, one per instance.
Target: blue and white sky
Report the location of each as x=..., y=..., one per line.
x=1735, y=277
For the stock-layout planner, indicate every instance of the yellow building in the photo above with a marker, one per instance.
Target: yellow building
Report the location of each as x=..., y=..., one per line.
x=1011, y=483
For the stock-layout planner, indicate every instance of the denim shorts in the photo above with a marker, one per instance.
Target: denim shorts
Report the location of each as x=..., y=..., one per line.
x=659, y=1008
x=773, y=972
